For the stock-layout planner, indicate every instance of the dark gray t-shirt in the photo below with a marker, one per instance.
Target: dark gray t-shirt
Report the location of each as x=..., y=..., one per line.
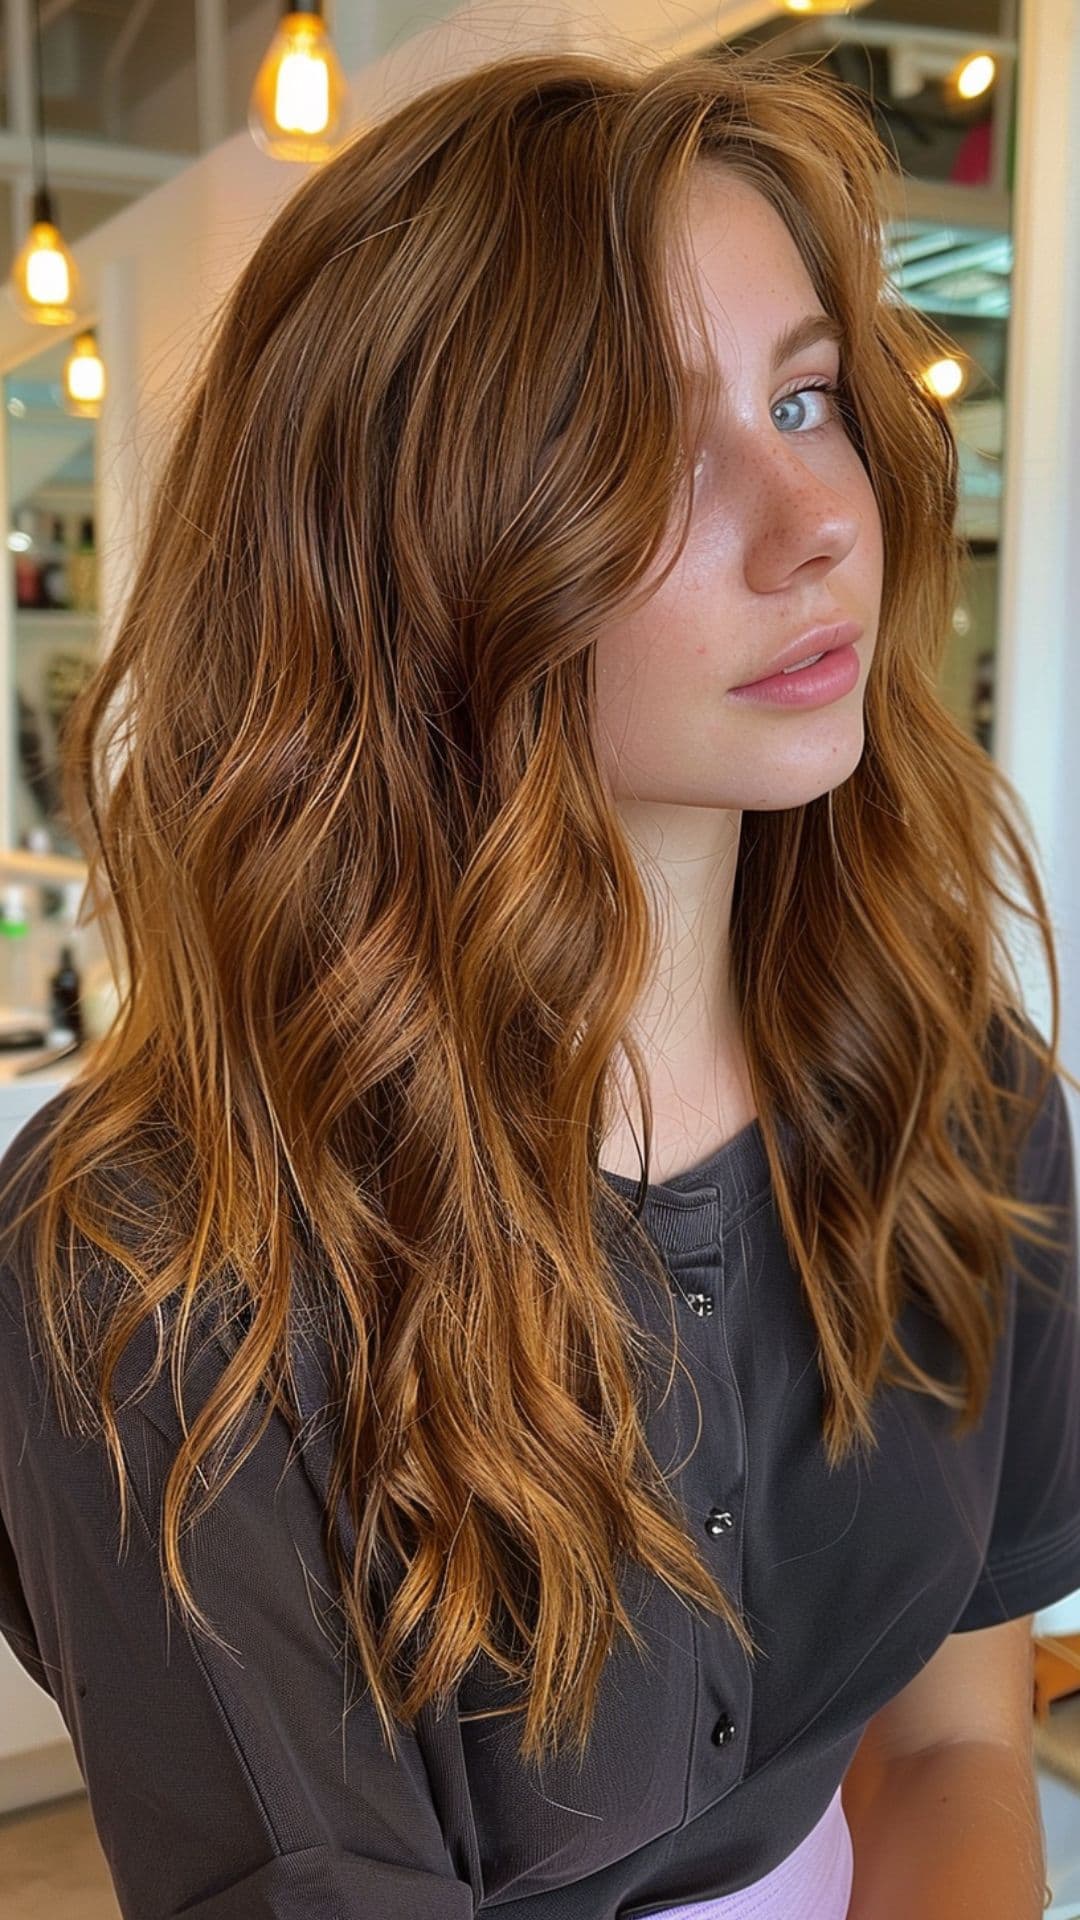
x=232, y=1785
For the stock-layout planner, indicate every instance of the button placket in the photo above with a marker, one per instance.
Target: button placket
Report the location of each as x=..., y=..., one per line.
x=690, y=1240
x=700, y=1300
x=698, y=1275
x=692, y=1231
x=719, y=1521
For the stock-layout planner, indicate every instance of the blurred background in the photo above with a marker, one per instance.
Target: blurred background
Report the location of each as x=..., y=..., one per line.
x=144, y=146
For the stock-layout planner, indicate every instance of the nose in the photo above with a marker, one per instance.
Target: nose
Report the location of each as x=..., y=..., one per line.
x=798, y=519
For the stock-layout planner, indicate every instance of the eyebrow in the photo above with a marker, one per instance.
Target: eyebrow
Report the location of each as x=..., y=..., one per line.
x=805, y=333
x=802, y=333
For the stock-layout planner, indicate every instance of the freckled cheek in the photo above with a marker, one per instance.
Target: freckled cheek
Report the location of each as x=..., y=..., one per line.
x=694, y=643
x=871, y=552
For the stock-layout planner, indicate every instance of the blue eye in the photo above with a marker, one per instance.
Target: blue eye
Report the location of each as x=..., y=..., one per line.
x=829, y=409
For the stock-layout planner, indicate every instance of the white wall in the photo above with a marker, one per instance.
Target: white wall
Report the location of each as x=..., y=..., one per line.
x=1038, y=670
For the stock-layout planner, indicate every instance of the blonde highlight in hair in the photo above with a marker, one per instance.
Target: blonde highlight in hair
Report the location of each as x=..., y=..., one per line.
x=380, y=933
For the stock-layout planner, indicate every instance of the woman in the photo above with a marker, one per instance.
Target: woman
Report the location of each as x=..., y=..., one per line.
x=547, y=419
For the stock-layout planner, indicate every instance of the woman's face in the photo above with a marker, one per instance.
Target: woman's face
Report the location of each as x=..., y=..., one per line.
x=785, y=535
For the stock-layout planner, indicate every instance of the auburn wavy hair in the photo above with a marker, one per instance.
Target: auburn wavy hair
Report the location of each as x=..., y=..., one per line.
x=376, y=929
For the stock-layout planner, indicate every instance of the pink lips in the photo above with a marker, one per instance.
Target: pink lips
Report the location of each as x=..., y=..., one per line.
x=814, y=640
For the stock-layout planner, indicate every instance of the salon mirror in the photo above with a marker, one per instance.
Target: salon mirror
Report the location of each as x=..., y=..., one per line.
x=52, y=584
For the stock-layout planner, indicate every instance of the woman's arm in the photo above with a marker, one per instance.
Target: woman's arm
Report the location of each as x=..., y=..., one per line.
x=946, y=1833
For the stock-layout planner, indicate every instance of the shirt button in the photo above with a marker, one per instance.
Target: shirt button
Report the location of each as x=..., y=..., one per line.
x=701, y=1303
x=717, y=1521
x=724, y=1730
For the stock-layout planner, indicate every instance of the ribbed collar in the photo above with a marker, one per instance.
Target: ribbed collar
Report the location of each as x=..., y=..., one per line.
x=700, y=1204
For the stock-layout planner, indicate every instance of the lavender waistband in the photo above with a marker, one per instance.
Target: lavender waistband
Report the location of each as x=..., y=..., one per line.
x=813, y=1883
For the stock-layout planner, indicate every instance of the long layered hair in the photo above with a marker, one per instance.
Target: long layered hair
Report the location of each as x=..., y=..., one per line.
x=379, y=935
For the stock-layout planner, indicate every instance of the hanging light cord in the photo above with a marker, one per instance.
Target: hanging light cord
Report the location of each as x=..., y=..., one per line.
x=40, y=177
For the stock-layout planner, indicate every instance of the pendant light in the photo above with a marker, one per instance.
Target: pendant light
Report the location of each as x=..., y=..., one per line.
x=84, y=377
x=299, y=96
x=43, y=279
x=975, y=74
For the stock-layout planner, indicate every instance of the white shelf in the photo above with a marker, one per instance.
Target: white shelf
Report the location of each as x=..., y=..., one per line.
x=55, y=619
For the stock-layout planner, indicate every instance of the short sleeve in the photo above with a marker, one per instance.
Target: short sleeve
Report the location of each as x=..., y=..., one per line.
x=222, y=1785
x=1033, y=1554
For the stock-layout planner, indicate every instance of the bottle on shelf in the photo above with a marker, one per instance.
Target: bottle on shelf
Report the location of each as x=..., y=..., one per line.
x=54, y=573
x=61, y=989
x=65, y=1000
x=82, y=569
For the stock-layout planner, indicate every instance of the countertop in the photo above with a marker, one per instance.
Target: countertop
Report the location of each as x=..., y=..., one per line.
x=22, y=1095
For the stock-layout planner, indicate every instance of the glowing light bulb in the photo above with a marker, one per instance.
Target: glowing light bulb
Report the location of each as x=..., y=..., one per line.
x=299, y=95
x=84, y=377
x=944, y=378
x=975, y=76
x=43, y=278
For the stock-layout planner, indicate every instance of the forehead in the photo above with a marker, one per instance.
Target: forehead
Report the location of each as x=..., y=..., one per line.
x=750, y=277
x=733, y=223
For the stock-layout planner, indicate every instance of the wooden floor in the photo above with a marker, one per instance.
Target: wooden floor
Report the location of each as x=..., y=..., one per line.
x=52, y=1866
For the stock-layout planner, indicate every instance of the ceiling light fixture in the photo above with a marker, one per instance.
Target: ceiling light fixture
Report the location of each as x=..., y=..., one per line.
x=975, y=76
x=299, y=97
x=84, y=377
x=43, y=279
